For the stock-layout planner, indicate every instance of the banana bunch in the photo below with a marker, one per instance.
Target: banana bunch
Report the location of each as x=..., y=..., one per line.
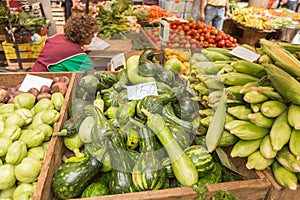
x=262, y=122
x=247, y=18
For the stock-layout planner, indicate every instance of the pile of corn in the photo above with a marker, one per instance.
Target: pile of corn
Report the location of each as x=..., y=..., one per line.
x=262, y=122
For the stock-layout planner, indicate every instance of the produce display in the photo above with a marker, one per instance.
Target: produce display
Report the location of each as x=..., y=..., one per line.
x=26, y=127
x=261, y=116
x=261, y=18
x=134, y=144
x=192, y=35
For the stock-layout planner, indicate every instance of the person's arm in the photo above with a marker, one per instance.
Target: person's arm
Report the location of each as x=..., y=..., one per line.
x=202, y=5
x=227, y=9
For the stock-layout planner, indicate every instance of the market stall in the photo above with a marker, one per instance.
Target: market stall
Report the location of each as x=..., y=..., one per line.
x=174, y=109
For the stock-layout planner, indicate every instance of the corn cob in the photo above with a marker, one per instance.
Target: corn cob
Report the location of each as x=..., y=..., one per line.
x=283, y=176
x=211, y=82
x=292, y=48
x=272, y=108
x=255, y=97
x=280, y=132
x=260, y=120
x=264, y=59
x=249, y=131
x=206, y=121
x=201, y=88
x=294, y=116
x=247, y=46
x=268, y=91
x=247, y=86
x=250, y=68
x=258, y=162
x=227, y=139
x=283, y=58
x=240, y=112
x=266, y=148
x=223, y=51
x=234, y=92
x=234, y=123
x=287, y=86
x=288, y=160
x=294, y=143
x=244, y=148
x=255, y=107
x=206, y=112
x=214, y=56
x=236, y=78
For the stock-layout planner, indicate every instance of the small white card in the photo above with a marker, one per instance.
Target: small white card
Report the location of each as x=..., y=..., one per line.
x=32, y=81
x=244, y=53
x=118, y=62
x=139, y=91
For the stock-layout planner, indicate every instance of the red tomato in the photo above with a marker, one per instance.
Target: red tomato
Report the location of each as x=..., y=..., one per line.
x=214, y=31
x=211, y=41
x=219, y=38
x=199, y=31
x=228, y=43
x=221, y=43
x=205, y=44
x=186, y=28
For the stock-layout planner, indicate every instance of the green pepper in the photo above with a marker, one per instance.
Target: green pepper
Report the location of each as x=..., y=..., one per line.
x=57, y=99
x=7, y=176
x=26, y=114
x=12, y=132
x=14, y=119
x=43, y=104
x=5, y=142
x=7, y=108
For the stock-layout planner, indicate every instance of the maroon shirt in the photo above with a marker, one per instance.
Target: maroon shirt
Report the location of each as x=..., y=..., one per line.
x=57, y=49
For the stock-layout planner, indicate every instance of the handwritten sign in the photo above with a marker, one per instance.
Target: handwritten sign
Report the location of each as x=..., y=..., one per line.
x=118, y=62
x=139, y=91
x=32, y=81
x=244, y=53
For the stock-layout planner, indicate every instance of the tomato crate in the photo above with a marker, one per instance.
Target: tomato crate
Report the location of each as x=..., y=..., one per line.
x=253, y=186
x=277, y=192
x=12, y=79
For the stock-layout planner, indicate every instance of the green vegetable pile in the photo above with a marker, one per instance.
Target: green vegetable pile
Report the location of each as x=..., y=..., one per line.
x=278, y=22
x=140, y=144
x=31, y=22
x=26, y=127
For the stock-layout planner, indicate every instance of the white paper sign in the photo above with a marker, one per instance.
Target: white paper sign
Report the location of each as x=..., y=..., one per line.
x=118, y=62
x=296, y=39
x=139, y=91
x=32, y=81
x=244, y=53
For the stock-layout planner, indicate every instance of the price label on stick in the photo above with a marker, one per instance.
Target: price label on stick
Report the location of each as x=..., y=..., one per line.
x=164, y=30
x=118, y=62
x=244, y=53
x=139, y=91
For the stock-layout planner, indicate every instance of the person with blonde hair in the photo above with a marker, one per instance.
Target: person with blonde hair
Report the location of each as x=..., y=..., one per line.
x=64, y=52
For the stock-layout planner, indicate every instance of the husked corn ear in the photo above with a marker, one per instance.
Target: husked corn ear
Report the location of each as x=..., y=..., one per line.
x=260, y=120
x=211, y=82
x=266, y=148
x=214, y=56
x=201, y=88
x=286, y=85
x=283, y=176
x=288, y=160
x=283, y=59
x=227, y=139
x=244, y=148
x=294, y=143
x=294, y=116
x=235, y=91
x=236, y=78
x=258, y=162
x=269, y=92
x=240, y=112
x=280, y=132
x=255, y=97
x=272, y=108
x=250, y=68
x=206, y=112
x=249, y=131
x=206, y=121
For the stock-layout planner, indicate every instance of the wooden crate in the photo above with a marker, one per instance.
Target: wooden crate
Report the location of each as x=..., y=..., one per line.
x=277, y=192
x=254, y=186
x=12, y=80
x=26, y=63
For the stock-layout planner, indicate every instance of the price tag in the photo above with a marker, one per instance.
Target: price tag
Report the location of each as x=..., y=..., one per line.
x=118, y=62
x=32, y=81
x=244, y=53
x=164, y=30
x=139, y=91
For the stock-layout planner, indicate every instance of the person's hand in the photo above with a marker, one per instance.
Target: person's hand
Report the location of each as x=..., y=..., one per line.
x=228, y=15
x=283, y=2
x=202, y=16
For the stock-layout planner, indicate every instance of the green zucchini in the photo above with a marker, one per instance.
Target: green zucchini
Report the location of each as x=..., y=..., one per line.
x=184, y=169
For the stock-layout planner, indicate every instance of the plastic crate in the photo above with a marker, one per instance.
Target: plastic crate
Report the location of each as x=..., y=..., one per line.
x=28, y=47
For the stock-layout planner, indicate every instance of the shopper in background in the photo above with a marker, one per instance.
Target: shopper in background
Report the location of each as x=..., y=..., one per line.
x=63, y=52
x=289, y=4
x=68, y=8
x=214, y=11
